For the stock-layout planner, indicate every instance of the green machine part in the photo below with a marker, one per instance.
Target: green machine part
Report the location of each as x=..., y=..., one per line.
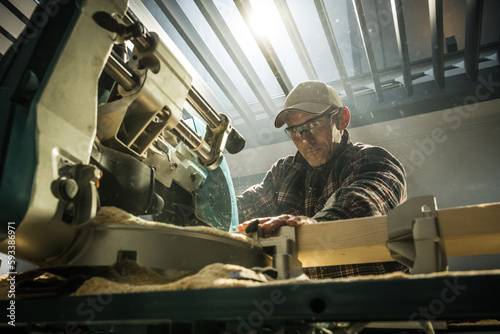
x=23, y=74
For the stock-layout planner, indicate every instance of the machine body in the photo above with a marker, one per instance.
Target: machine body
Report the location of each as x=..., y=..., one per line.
x=84, y=127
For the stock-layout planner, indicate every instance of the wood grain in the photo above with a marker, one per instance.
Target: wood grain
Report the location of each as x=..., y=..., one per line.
x=471, y=230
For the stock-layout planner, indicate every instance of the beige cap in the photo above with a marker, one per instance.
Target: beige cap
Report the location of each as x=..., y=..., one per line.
x=312, y=97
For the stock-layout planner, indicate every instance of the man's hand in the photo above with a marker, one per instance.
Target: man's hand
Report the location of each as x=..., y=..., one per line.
x=273, y=223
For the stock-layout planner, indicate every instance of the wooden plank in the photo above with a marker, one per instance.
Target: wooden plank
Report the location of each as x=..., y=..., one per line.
x=471, y=230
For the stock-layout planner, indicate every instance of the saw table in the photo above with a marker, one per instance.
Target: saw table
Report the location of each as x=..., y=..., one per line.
x=398, y=304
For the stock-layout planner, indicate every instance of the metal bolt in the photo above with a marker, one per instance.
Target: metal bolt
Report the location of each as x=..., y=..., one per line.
x=68, y=189
x=97, y=173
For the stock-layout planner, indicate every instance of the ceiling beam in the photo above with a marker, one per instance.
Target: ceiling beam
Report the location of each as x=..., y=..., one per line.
x=473, y=22
x=188, y=32
x=14, y=10
x=298, y=43
x=266, y=48
x=7, y=34
x=399, y=27
x=498, y=47
x=334, y=48
x=219, y=26
x=370, y=55
x=437, y=39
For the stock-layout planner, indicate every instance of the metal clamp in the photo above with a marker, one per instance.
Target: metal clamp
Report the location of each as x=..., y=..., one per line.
x=282, y=246
x=414, y=236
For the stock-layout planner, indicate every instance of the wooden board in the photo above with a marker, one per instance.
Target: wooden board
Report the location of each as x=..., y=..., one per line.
x=471, y=230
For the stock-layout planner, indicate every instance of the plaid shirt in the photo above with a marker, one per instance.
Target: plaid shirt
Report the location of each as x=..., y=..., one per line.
x=359, y=181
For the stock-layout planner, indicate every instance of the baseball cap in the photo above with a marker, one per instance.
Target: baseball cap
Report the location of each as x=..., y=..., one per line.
x=312, y=97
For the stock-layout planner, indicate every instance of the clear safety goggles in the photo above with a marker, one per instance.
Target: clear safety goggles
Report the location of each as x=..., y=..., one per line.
x=312, y=126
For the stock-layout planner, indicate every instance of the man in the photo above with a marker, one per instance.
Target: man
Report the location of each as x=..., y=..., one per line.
x=329, y=178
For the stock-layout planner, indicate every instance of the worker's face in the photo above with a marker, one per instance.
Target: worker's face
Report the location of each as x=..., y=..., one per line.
x=316, y=146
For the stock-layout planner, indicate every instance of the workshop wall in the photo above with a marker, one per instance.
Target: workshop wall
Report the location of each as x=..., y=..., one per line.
x=452, y=154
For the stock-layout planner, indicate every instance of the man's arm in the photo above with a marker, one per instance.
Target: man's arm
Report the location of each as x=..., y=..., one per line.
x=372, y=183
x=260, y=199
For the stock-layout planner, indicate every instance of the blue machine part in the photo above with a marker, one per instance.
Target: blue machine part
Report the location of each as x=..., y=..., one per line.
x=216, y=201
x=232, y=195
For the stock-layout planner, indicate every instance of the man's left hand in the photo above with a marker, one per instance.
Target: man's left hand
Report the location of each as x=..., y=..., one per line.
x=273, y=223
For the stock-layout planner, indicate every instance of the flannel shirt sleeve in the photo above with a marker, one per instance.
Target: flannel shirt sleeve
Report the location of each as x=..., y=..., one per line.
x=372, y=182
x=260, y=199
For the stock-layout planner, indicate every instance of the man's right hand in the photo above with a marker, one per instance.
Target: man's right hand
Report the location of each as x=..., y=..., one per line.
x=273, y=223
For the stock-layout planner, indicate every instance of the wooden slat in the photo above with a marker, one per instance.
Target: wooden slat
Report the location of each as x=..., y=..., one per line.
x=472, y=230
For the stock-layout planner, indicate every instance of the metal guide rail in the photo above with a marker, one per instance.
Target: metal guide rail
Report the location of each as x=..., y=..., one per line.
x=407, y=305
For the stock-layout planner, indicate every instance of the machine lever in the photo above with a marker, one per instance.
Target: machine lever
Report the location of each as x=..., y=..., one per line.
x=120, y=72
x=235, y=141
x=128, y=79
x=106, y=21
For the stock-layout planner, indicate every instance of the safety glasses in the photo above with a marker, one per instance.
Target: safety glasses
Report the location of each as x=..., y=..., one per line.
x=312, y=126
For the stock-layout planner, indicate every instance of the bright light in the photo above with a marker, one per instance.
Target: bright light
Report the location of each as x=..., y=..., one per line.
x=264, y=20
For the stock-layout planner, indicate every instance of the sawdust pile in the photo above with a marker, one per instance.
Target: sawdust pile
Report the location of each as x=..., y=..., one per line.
x=129, y=272
x=218, y=275
x=113, y=215
x=483, y=322
x=4, y=286
x=214, y=275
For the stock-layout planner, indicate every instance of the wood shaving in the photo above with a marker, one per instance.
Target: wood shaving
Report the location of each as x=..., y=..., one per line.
x=129, y=272
x=218, y=275
x=113, y=215
x=211, y=276
x=402, y=275
x=484, y=322
x=4, y=286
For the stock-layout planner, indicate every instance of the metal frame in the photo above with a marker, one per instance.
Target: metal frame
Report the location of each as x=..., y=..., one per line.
x=240, y=309
x=14, y=10
x=181, y=22
x=334, y=48
x=474, y=18
x=400, y=30
x=298, y=43
x=365, y=35
x=437, y=38
x=17, y=13
x=266, y=48
x=219, y=26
